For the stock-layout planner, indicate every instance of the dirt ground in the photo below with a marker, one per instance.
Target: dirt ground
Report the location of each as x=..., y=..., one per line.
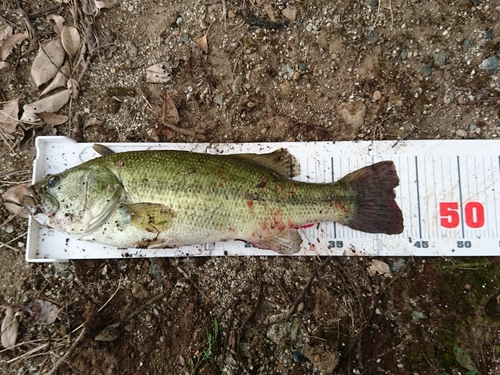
x=273, y=71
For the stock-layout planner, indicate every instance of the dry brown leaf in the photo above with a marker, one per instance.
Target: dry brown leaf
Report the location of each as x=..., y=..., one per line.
x=9, y=116
x=12, y=200
x=91, y=122
x=49, y=104
x=60, y=80
x=16, y=210
x=10, y=42
x=16, y=193
x=42, y=311
x=53, y=119
x=170, y=113
x=70, y=39
x=202, y=43
x=159, y=73
x=4, y=34
x=104, y=4
x=10, y=327
x=108, y=334
x=48, y=61
x=58, y=22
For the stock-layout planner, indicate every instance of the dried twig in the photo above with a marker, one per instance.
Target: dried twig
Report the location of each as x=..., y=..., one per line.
x=204, y=295
x=12, y=240
x=224, y=12
x=28, y=353
x=184, y=131
x=66, y=355
x=113, y=295
x=45, y=11
x=8, y=22
x=304, y=290
x=150, y=302
x=29, y=25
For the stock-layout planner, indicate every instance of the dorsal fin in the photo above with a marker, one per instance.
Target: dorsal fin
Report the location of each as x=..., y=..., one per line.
x=102, y=150
x=280, y=161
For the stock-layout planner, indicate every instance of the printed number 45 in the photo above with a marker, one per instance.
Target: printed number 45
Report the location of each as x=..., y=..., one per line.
x=473, y=214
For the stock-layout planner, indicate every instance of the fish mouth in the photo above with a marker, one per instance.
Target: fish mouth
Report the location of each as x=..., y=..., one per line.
x=34, y=202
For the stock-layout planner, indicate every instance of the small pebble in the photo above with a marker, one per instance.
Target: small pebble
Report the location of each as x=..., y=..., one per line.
x=427, y=68
x=300, y=307
x=132, y=49
x=397, y=265
x=377, y=95
x=461, y=133
x=491, y=65
x=219, y=100
x=138, y=291
x=418, y=314
x=465, y=44
x=8, y=228
x=440, y=58
x=490, y=33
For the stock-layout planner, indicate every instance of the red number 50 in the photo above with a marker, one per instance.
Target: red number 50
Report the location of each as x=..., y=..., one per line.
x=450, y=216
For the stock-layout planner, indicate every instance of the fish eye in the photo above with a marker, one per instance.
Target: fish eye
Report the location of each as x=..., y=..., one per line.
x=54, y=181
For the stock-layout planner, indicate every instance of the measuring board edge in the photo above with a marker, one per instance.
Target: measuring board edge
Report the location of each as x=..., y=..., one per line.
x=320, y=162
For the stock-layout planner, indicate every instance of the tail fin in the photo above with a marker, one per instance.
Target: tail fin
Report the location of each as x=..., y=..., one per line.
x=376, y=210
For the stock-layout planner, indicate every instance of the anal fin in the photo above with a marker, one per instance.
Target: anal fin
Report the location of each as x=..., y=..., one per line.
x=286, y=243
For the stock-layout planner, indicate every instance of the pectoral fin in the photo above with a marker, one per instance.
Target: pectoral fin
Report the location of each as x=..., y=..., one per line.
x=151, y=217
x=287, y=242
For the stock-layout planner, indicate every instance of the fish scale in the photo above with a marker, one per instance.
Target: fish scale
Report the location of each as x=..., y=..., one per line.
x=218, y=197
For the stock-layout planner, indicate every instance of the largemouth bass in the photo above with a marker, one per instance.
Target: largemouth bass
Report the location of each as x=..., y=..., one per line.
x=161, y=199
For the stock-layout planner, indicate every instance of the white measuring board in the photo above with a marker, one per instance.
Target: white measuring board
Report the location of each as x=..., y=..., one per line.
x=449, y=194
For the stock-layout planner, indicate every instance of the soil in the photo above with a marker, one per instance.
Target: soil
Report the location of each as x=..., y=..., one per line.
x=274, y=71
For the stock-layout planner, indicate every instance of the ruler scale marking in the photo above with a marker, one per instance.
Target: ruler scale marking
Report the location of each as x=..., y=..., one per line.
x=495, y=190
x=435, y=227
x=460, y=202
x=428, y=200
x=418, y=199
x=333, y=180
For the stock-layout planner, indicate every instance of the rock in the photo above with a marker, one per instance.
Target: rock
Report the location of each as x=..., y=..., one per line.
x=461, y=133
x=132, y=49
x=353, y=115
x=108, y=334
x=138, y=291
x=379, y=267
x=289, y=13
x=397, y=265
x=440, y=58
x=323, y=359
x=377, y=95
x=418, y=314
x=491, y=65
x=284, y=334
x=427, y=69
